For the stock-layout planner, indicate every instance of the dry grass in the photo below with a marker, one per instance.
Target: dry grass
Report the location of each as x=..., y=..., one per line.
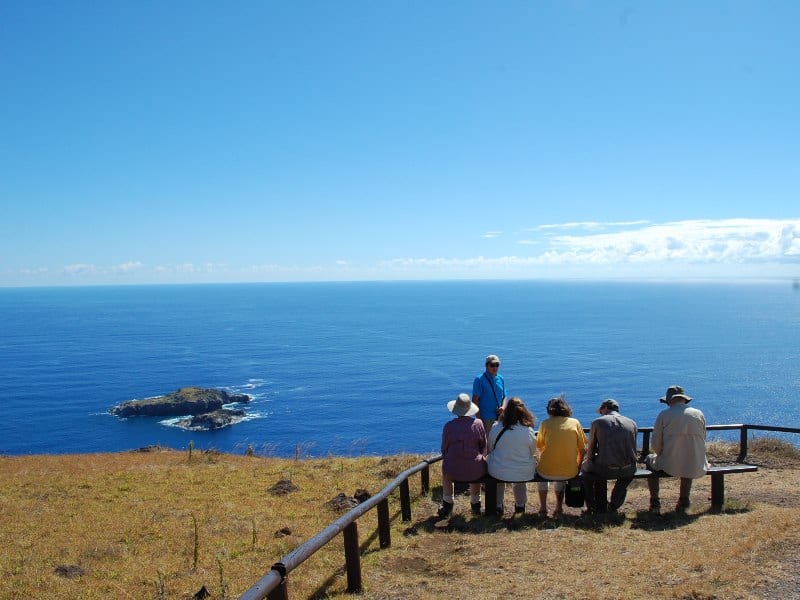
x=127, y=521
x=699, y=555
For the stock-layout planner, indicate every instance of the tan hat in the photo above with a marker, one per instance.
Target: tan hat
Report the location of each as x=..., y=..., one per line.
x=492, y=358
x=462, y=406
x=674, y=391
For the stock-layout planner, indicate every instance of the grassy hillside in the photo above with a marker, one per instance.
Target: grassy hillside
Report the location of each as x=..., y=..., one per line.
x=163, y=524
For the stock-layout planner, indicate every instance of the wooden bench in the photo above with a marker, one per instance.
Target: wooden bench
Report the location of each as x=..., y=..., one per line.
x=717, y=474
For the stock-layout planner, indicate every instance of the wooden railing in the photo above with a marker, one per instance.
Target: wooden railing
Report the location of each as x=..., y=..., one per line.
x=273, y=585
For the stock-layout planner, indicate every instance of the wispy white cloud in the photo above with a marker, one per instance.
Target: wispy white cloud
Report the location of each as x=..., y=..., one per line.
x=705, y=245
x=34, y=271
x=727, y=248
x=479, y=263
x=191, y=268
x=591, y=225
x=186, y=268
x=492, y=234
x=133, y=265
x=706, y=241
x=268, y=268
x=79, y=269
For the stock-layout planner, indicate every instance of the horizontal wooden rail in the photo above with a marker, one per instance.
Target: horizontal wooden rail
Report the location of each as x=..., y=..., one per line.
x=746, y=428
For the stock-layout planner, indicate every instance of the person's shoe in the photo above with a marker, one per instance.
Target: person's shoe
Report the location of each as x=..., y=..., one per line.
x=445, y=509
x=682, y=505
x=476, y=508
x=519, y=510
x=655, y=506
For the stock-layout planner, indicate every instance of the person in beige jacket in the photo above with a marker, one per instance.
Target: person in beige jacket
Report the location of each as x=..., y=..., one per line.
x=679, y=446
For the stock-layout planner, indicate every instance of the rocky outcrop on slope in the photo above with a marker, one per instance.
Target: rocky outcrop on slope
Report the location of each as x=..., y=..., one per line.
x=185, y=401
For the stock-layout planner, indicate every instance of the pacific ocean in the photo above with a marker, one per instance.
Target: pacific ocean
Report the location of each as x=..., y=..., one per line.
x=351, y=368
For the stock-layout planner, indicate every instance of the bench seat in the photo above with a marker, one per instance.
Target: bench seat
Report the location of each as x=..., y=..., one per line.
x=717, y=474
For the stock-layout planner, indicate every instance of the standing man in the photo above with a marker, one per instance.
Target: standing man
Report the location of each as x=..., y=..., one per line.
x=611, y=455
x=489, y=393
x=679, y=446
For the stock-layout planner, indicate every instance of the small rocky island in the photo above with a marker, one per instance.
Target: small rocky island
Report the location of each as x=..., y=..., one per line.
x=213, y=420
x=204, y=407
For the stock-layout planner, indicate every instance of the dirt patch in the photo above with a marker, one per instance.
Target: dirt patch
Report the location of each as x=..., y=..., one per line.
x=341, y=502
x=70, y=571
x=283, y=487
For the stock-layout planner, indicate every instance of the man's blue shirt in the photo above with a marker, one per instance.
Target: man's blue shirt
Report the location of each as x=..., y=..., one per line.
x=490, y=391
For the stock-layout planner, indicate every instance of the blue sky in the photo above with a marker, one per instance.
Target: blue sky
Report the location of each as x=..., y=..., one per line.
x=198, y=141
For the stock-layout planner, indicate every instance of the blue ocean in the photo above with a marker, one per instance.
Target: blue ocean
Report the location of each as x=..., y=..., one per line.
x=367, y=368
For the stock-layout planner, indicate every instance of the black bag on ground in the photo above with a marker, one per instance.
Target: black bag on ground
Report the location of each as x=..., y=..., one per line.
x=573, y=493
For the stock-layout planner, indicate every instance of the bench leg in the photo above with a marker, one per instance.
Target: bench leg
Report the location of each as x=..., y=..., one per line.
x=490, y=498
x=717, y=491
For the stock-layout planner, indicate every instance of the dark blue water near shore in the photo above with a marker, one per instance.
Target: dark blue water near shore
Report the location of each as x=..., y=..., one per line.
x=349, y=368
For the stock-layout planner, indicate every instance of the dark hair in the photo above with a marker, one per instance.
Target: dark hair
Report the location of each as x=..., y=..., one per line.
x=558, y=407
x=517, y=412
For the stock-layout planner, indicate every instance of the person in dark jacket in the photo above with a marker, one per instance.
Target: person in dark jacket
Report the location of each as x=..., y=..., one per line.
x=611, y=455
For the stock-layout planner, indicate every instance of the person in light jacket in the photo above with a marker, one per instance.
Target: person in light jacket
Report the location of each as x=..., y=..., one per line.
x=512, y=452
x=679, y=447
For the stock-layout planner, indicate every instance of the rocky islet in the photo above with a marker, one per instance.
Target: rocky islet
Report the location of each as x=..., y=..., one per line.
x=203, y=407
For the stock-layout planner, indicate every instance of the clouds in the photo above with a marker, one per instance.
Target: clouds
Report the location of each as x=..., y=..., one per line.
x=678, y=249
x=705, y=248
x=83, y=270
x=735, y=241
x=133, y=265
x=590, y=225
x=190, y=269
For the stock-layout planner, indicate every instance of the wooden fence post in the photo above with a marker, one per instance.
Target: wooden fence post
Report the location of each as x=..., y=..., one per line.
x=384, y=531
x=490, y=496
x=717, y=491
x=742, y=444
x=425, y=480
x=645, y=443
x=352, y=558
x=281, y=592
x=405, y=500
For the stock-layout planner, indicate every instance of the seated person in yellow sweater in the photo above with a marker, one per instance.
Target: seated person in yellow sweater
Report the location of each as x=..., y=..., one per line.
x=562, y=445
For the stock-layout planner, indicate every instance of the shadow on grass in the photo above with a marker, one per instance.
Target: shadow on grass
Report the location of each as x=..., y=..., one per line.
x=647, y=521
x=482, y=525
x=464, y=523
x=460, y=523
x=644, y=520
x=673, y=520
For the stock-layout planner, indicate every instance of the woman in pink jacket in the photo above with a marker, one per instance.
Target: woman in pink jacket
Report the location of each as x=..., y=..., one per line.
x=463, y=453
